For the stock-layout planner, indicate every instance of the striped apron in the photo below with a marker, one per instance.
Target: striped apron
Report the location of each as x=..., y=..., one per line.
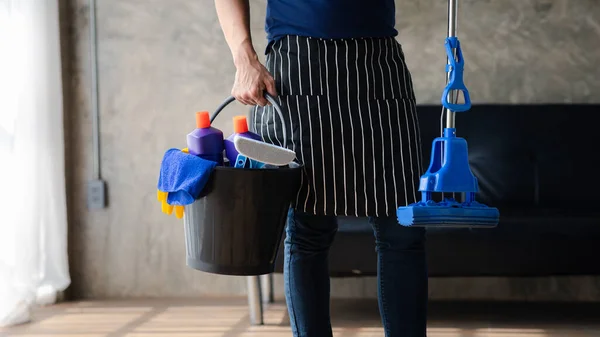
x=350, y=114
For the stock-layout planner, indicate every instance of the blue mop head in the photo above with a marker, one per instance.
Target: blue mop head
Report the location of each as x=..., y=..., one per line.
x=448, y=213
x=449, y=172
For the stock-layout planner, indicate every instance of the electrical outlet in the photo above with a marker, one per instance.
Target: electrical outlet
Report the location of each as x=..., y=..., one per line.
x=96, y=194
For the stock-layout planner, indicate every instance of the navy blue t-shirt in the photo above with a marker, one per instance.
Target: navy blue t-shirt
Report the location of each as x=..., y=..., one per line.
x=330, y=19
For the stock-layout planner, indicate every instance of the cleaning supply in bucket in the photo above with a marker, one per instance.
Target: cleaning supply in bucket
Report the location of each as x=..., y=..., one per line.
x=240, y=129
x=166, y=208
x=181, y=180
x=245, y=162
x=268, y=154
x=206, y=141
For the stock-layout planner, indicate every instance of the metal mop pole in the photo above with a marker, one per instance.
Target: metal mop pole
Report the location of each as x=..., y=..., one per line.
x=450, y=115
x=452, y=24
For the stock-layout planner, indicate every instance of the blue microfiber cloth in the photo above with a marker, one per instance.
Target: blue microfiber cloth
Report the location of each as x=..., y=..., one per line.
x=183, y=176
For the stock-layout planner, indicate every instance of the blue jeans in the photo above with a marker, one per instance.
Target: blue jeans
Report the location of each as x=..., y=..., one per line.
x=401, y=269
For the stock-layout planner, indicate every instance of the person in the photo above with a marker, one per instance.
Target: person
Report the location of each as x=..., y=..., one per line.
x=341, y=79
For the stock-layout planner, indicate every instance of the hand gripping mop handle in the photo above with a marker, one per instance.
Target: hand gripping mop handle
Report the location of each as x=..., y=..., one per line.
x=271, y=100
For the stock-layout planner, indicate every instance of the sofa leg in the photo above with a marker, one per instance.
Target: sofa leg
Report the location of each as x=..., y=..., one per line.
x=254, y=300
x=267, y=291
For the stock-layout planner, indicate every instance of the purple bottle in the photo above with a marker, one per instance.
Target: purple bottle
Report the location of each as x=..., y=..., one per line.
x=205, y=141
x=240, y=127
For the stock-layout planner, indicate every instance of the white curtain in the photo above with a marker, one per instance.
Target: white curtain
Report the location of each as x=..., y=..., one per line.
x=33, y=221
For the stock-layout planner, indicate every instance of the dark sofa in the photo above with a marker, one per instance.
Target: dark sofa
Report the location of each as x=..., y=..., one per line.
x=536, y=164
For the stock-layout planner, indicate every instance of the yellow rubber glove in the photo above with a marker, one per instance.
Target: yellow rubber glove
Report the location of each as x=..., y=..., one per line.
x=179, y=211
x=162, y=198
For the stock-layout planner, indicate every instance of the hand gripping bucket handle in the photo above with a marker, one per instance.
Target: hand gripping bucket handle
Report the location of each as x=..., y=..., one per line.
x=236, y=227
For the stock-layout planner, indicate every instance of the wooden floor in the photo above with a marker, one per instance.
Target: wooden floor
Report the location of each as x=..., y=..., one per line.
x=229, y=318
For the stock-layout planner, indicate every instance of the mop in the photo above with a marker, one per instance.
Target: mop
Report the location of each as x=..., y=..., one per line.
x=449, y=170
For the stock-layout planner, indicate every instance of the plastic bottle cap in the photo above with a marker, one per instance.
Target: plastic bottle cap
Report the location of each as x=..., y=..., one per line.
x=240, y=125
x=202, y=120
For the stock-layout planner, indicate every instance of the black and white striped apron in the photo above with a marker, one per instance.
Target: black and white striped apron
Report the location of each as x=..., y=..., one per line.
x=350, y=115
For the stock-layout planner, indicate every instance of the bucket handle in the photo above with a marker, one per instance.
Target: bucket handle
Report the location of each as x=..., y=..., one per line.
x=269, y=98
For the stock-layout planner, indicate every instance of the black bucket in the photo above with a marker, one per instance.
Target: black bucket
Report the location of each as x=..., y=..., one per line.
x=236, y=226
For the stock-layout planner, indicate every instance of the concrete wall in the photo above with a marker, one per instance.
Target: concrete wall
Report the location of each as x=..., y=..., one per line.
x=160, y=61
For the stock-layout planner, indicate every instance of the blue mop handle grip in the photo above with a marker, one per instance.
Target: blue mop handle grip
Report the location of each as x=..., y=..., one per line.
x=456, y=68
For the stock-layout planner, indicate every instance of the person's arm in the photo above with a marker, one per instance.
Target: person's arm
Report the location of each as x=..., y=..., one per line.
x=251, y=78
